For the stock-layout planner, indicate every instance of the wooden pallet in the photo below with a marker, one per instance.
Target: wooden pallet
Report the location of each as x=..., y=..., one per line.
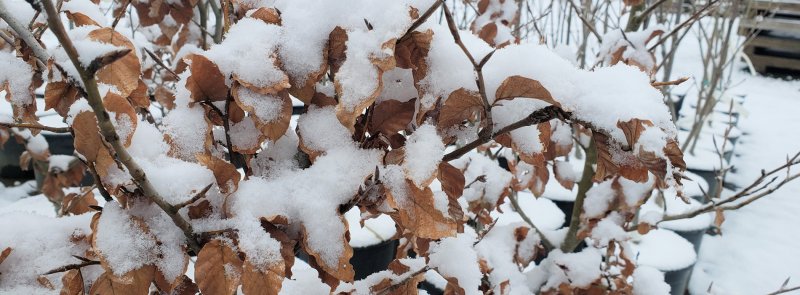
x=775, y=27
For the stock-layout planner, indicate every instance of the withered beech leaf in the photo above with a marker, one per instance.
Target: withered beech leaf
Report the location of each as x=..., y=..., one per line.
x=206, y=81
x=136, y=282
x=460, y=105
x=126, y=119
x=218, y=268
x=540, y=176
x=488, y=33
x=268, y=15
x=343, y=271
x=225, y=173
x=4, y=254
x=80, y=19
x=605, y=163
x=262, y=282
x=165, y=97
x=412, y=53
x=391, y=116
x=124, y=72
x=633, y=129
x=59, y=96
x=418, y=214
x=72, y=282
x=452, y=180
x=518, y=86
x=719, y=217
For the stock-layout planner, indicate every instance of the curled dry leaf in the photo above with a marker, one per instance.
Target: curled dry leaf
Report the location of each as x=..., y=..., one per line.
x=262, y=282
x=80, y=19
x=460, y=105
x=488, y=33
x=218, y=269
x=125, y=116
x=412, y=53
x=124, y=72
x=72, y=282
x=332, y=274
x=206, y=81
x=391, y=116
x=3, y=255
x=225, y=173
x=77, y=204
x=60, y=96
x=418, y=214
x=518, y=86
x=135, y=282
x=452, y=180
x=165, y=97
x=566, y=182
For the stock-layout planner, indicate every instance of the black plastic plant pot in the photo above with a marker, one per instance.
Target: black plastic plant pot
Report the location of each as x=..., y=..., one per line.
x=678, y=280
x=9, y=162
x=693, y=236
x=566, y=207
x=367, y=260
x=430, y=288
x=710, y=177
x=60, y=144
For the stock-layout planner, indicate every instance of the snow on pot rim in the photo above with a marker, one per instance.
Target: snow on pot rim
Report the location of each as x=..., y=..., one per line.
x=542, y=211
x=674, y=206
x=375, y=230
x=554, y=191
x=664, y=250
x=706, y=141
x=695, y=186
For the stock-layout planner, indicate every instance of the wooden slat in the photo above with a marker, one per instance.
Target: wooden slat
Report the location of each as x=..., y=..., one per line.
x=784, y=44
x=762, y=62
x=777, y=24
x=784, y=5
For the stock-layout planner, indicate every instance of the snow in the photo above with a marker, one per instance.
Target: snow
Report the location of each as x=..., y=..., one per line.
x=454, y=257
x=671, y=204
x=424, y=150
x=448, y=67
x=39, y=244
x=266, y=107
x=476, y=165
x=17, y=73
x=304, y=281
x=578, y=269
x=335, y=176
x=543, y=212
x=364, y=286
x=598, y=198
x=500, y=249
x=664, y=250
x=398, y=85
x=87, y=8
x=374, y=231
x=648, y=280
x=245, y=53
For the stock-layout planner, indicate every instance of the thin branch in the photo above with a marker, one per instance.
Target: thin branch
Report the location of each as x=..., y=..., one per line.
x=197, y=196
x=651, y=8
x=542, y=115
x=71, y=267
x=120, y=14
x=108, y=131
x=37, y=126
x=26, y=35
x=786, y=290
x=161, y=63
x=669, y=83
x=545, y=242
x=689, y=20
x=98, y=182
x=585, y=22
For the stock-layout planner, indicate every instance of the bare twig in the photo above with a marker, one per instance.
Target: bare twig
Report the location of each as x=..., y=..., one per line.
x=689, y=20
x=37, y=126
x=108, y=131
x=161, y=63
x=26, y=35
x=585, y=22
x=669, y=83
x=120, y=14
x=514, y=203
x=539, y=116
x=197, y=196
x=72, y=266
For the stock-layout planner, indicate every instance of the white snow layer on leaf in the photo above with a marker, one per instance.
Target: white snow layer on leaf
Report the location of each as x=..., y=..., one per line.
x=39, y=244
x=577, y=269
x=547, y=215
x=448, y=67
x=244, y=134
x=266, y=107
x=246, y=51
x=424, y=150
x=673, y=205
x=476, y=165
x=304, y=280
x=126, y=245
x=310, y=197
x=609, y=229
x=636, y=48
x=649, y=281
x=526, y=139
x=187, y=129
x=17, y=73
x=398, y=84
x=499, y=247
x=598, y=198
x=454, y=257
x=592, y=96
x=174, y=179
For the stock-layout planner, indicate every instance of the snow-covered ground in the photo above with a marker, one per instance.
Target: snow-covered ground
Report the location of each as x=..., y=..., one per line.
x=758, y=248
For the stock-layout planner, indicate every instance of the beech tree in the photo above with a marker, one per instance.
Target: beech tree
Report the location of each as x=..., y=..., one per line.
x=186, y=129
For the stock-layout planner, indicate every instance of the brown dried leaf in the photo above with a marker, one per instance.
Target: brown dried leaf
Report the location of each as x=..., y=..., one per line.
x=135, y=282
x=185, y=287
x=412, y=53
x=225, y=173
x=59, y=96
x=72, y=282
x=4, y=254
x=452, y=180
x=80, y=19
x=633, y=129
x=391, y=116
x=262, y=282
x=125, y=116
x=268, y=15
x=200, y=210
x=419, y=215
x=165, y=97
x=218, y=268
x=719, y=217
x=124, y=72
x=460, y=106
x=77, y=204
x=138, y=97
x=331, y=274
x=518, y=86
x=488, y=33
x=206, y=81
